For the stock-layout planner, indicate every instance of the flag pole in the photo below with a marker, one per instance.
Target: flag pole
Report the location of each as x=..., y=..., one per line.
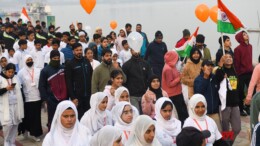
x=222, y=42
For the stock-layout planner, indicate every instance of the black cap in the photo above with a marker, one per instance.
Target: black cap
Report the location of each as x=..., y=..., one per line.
x=158, y=34
x=207, y=62
x=191, y=136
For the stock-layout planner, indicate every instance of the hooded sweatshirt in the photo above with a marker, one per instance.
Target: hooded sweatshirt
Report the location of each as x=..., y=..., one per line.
x=243, y=56
x=170, y=75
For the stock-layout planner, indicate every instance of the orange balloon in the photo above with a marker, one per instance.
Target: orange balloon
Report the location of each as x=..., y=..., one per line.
x=214, y=14
x=88, y=5
x=202, y=12
x=113, y=24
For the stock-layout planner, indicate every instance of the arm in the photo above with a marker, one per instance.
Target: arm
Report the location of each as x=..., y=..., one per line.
x=255, y=78
x=200, y=85
x=69, y=82
x=43, y=85
x=171, y=80
x=94, y=82
x=147, y=52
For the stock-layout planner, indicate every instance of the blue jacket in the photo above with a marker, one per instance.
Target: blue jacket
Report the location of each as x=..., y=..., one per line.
x=100, y=49
x=145, y=44
x=209, y=88
x=68, y=53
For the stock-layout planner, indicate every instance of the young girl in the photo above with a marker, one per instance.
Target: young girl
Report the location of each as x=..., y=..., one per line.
x=89, y=55
x=3, y=63
x=11, y=104
x=153, y=93
x=97, y=116
x=167, y=126
x=117, y=63
x=123, y=116
x=122, y=94
x=120, y=38
x=115, y=82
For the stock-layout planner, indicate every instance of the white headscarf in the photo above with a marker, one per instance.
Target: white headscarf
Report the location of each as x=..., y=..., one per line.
x=24, y=61
x=141, y=125
x=194, y=100
x=78, y=135
x=106, y=136
x=95, y=119
x=117, y=112
x=173, y=126
x=118, y=93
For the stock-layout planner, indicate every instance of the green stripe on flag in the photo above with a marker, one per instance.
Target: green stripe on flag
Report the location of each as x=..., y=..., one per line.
x=187, y=50
x=181, y=53
x=226, y=27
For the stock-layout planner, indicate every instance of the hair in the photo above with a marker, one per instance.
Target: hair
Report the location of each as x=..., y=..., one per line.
x=200, y=38
x=29, y=33
x=109, y=36
x=96, y=36
x=71, y=38
x=166, y=103
x=49, y=37
x=139, y=24
x=128, y=25
x=76, y=45
x=43, y=23
x=66, y=33
x=124, y=42
x=21, y=33
x=22, y=42
x=69, y=108
x=10, y=66
x=106, y=51
x=225, y=37
x=86, y=50
x=58, y=35
x=51, y=26
x=56, y=41
x=111, y=33
x=102, y=39
x=259, y=59
x=113, y=75
x=19, y=20
x=80, y=23
x=11, y=49
x=37, y=21
x=37, y=41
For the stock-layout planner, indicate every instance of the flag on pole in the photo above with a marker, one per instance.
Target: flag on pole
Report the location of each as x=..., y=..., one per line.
x=184, y=50
x=227, y=21
x=24, y=16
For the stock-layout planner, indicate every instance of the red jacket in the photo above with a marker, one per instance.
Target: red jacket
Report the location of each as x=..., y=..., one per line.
x=171, y=80
x=243, y=56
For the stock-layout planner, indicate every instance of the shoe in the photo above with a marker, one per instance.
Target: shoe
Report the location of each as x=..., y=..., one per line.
x=36, y=139
x=243, y=113
x=247, y=109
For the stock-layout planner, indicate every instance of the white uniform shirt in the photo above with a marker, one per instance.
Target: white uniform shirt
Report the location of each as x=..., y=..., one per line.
x=47, y=58
x=38, y=57
x=19, y=57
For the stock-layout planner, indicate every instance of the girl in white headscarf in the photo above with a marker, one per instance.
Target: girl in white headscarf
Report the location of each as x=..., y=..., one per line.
x=143, y=133
x=198, y=118
x=97, y=116
x=167, y=126
x=122, y=94
x=124, y=115
x=121, y=36
x=66, y=129
x=29, y=78
x=107, y=136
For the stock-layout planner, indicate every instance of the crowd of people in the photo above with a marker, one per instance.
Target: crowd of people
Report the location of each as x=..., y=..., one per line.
x=100, y=92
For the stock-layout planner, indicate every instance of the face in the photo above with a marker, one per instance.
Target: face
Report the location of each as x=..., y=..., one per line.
x=115, y=57
x=49, y=41
x=227, y=43
x=199, y=45
x=38, y=46
x=127, y=114
x=31, y=37
x=65, y=38
x=10, y=73
x=118, y=142
x=229, y=60
x=186, y=37
x=72, y=27
x=126, y=46
x=166, y=112
x=82, y=38
x=51, y=30
x=68, y=118
x=72, y=42
x=159, y=39
x=56, y=58
x=124, y=96
x=245, y=36
x=104, y=43
x=128, y=29
x=207, y=67
x=200, y=109
x=29, y=60
x=109, y=40
x=103, y=105
x=138, y=28
x=23, y=47
x=89, y=55
x=113, y=35
x=55, y=46
x=3, y=62
x=149, y=134
x=78, y=52
x=118, y=80
x=23, y=37
x=79, y=26
x=11, y=53
x=99, y=31
x=155, y=84
x=107, y=57
x=196, y=55
x=122, y=33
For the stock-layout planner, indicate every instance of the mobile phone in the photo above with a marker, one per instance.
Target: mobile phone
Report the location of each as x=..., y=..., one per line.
x=13, y=84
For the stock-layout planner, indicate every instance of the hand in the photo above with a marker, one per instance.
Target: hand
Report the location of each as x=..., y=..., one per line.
x=112, y=91
x=247, y=101
x=222, y=60
x=8, y=88
x=76, y=102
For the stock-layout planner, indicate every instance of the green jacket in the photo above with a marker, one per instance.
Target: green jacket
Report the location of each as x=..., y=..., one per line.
x=101, y=76
x=206, y=53
x=254, y=110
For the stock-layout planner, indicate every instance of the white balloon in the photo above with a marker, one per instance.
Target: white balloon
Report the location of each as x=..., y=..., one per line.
x=135, y=41
x=88, y=30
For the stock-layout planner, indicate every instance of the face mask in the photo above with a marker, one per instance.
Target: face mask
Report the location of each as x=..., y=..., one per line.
x=108, y=62
x=29, y=64
x=55, y=63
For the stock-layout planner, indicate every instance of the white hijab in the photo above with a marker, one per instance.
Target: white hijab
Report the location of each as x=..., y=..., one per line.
x=117, y=112
x=95, y=119
x=24, y=61
x=118, y=93
x=106, y=136
x=173, y=126
x=194, y=100
x=78, y=135
x=141, y=125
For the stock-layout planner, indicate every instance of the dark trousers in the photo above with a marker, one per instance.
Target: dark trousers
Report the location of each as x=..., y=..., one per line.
x=181, y=107
x=83, y=106
x=243, y=80
x=51, y=107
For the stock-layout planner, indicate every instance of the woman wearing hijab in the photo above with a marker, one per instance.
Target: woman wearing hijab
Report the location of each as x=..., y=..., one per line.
x=11, y=104
x=97, y=116
x=143, y=133
x=3, y=63
x=199, y=119
x=119, y=39
x=66, y=129
x=167, y=126
x=123, y=115
x=153, y=93
x=191, y=70
x=107, y=136
x=122, y=94
x=29, y=78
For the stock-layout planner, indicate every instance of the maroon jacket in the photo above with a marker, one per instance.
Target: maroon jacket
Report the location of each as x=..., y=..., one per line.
x=243, y=56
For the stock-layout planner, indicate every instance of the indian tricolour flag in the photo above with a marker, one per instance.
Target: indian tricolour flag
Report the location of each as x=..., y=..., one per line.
x=184, y=50
x=227, y=21
x=24, y=16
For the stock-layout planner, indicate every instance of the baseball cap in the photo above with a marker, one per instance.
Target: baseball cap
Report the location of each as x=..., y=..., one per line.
x=207, y=62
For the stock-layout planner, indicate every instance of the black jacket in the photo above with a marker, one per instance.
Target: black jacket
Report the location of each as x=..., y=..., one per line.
x=78, y=74
x=137, y=72
x=155, y=53
x=9, y=40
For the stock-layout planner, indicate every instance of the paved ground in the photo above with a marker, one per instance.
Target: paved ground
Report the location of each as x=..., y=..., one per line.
x=242, y=139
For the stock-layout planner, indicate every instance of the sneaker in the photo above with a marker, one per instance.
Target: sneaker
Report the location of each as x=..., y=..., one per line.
x=36, y=139
x=247, y=109
x=25, y=135
x=243, y=113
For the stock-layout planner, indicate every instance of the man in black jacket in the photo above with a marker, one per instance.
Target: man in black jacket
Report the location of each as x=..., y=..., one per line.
x=78, y=72
x=137, y=72
x=8, y=36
